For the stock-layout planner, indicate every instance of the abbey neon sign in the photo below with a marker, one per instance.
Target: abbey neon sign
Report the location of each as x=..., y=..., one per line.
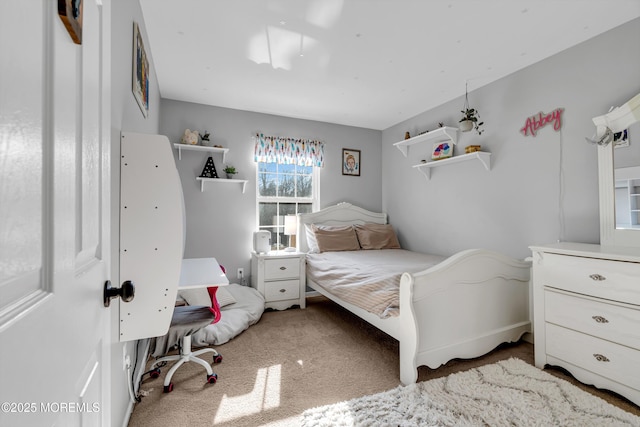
x=535, y=123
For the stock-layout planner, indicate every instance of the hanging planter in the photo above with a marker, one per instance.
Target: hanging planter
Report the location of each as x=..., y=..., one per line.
x=471, y=117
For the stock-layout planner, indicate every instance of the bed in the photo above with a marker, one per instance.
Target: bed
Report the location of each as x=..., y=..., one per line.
x=441, y=308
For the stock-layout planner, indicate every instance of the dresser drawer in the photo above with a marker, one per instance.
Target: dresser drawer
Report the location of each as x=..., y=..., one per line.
x=282, y=290
x=284, y=268
x=604, y=358
x=612, y=322
x=613, y=280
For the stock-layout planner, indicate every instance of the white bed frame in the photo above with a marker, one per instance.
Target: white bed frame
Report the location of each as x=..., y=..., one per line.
x=463, y=307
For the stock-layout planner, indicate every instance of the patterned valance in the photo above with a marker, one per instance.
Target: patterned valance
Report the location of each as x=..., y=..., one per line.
x=301, y=152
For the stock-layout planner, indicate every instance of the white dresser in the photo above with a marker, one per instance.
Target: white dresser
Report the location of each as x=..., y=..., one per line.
x=587, y=313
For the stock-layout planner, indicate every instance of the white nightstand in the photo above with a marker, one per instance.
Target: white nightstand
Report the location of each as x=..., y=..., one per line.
x=280, y=278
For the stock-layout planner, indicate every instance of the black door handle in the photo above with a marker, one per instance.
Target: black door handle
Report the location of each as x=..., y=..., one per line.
x=126, y=292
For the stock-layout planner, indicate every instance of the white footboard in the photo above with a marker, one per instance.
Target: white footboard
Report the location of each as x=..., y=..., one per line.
x=462, y=308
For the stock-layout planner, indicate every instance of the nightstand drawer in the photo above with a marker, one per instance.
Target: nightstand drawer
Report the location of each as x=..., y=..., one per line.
x=282, y=290
x=613, y=280
x=613, y=322
x=281, y=268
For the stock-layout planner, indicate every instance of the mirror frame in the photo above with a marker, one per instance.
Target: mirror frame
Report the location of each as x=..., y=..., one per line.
x=609, y=234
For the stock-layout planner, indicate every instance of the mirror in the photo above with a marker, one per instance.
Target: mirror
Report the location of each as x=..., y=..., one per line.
x=619, y=180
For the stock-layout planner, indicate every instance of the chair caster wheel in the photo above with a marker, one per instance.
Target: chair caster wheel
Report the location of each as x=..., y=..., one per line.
x=217, y=358
x=155, y=373
x=211, y=379
x=168, y=388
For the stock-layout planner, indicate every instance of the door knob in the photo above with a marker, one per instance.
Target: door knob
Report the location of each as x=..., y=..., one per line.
x=126, y=292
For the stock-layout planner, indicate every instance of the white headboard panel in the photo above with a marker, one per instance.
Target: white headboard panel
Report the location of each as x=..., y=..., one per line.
x=340, y=214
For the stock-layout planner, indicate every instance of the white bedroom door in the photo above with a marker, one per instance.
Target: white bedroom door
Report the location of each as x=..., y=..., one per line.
x=54, y=215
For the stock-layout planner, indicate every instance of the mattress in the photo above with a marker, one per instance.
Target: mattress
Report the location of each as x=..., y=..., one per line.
x=369, y=279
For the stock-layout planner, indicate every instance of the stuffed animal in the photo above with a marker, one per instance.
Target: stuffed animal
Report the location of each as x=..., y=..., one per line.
x=190, y=137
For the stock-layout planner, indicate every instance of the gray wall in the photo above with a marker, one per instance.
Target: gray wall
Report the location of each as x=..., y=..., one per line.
x=540, y=189
x=125, y=116
x=221, y=220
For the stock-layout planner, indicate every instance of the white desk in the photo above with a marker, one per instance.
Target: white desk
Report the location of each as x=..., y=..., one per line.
x=201, y=273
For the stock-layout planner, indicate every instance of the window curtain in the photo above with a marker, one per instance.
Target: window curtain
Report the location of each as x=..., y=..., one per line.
x=301, y=152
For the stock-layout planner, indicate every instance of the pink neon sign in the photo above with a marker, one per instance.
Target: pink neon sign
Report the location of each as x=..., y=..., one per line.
x=534, y=123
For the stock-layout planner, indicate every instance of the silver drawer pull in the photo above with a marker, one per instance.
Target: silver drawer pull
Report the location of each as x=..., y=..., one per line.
x=597, y=277
x=283, y=290
x=601, y=358
x=283, y=268
x=600, y=319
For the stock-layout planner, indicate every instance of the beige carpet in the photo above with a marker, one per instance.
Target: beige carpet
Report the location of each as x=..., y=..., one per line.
x=294, y=360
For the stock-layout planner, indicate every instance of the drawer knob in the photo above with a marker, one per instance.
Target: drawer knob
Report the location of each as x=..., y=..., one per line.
x=601, y=358
x=283, y=291
x=600, y=319
x=597, y=277
x=283, y=268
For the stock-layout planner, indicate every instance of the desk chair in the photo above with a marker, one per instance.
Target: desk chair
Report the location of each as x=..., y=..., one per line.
x=186, y=321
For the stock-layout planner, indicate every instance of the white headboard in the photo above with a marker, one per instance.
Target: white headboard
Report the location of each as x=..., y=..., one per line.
x=340, y=214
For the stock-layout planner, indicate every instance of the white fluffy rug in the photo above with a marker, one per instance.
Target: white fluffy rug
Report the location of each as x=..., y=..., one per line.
x=507, y=393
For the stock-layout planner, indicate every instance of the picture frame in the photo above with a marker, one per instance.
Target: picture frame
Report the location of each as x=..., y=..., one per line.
x=70, y=12
x=621, y=139
x=140, y=74
x=442, y=150
x=351, y=162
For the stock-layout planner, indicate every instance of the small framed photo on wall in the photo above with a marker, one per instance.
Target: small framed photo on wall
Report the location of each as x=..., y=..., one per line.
x=140, y=84
x=350, y=162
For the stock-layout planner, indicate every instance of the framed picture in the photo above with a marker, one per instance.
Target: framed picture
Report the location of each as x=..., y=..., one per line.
x=140, y=73
x=442, y=150
x=70, y=11
x=350, y=162
x=621, y=139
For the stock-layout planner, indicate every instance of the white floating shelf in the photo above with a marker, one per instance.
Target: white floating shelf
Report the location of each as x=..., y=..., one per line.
x=482, y=156
x=444, y=133
x=181, y=147
x=222, y=180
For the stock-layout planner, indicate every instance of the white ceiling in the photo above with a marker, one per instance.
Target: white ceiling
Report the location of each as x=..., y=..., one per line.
x=365, y=63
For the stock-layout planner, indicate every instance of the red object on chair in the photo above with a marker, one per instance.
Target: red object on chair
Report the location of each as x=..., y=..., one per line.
x=215, y=307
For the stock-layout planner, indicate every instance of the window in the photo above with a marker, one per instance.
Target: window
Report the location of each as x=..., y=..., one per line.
x=284, y=189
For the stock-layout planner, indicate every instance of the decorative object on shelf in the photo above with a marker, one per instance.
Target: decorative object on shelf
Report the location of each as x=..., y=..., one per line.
x=616, y=120
x=533, y=123
x=190, y=137
x=471, y=116
x=209, y=170
x=70, y=11
x=350, y=162
x=140, y=73
x=205, y=139
x=471, y=148
x=230, y=171
x=407, y=135
x=621, y=139
x=442, y=150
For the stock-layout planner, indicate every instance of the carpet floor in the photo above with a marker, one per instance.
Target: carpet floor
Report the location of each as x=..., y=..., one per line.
x=295, y=360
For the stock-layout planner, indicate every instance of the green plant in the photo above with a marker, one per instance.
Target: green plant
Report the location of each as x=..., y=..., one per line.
x=472, y=115
x=230, y=170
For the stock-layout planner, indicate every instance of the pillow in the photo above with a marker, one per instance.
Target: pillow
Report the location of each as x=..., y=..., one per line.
x=196, y=296
x=222, y=295
x=340, y=238
x=311, y=240
x=202, y=296
x=377, y=236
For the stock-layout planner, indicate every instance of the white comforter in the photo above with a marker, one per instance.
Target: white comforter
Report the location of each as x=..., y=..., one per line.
x=369, y=279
